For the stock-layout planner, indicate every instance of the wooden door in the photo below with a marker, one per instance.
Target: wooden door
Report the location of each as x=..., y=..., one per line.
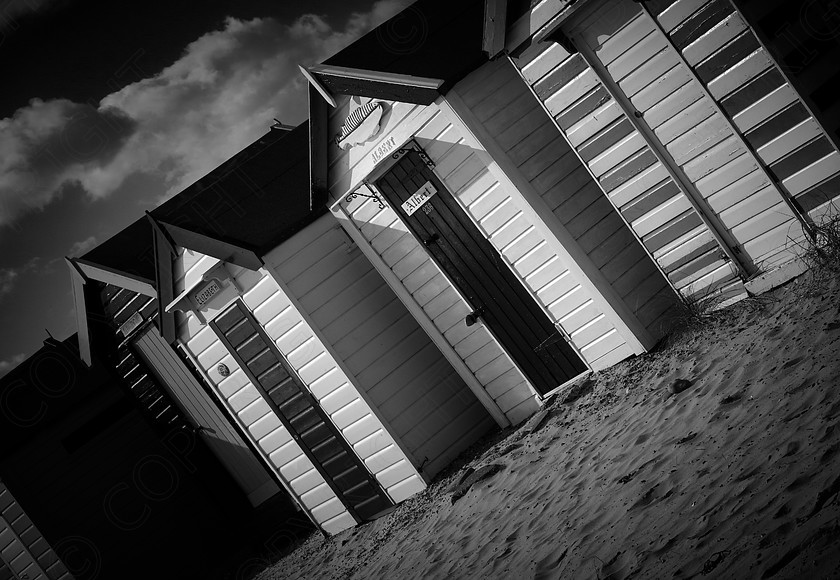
x=280, y=386
x=477, y=270
x=212, y=425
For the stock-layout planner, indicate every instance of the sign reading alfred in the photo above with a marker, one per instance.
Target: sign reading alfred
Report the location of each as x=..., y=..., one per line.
x=421, y=196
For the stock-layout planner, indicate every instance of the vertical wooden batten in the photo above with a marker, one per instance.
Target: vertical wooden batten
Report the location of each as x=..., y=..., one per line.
x=307, y=317
x=727, y=243
x=806, y=101
x=559, y=239
x=420, y=316
x=495, y=24
x=164, y=253
x=242, y=428
x=804, y=219
x=78, y=281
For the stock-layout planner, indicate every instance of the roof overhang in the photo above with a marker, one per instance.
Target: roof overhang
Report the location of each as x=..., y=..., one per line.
x=82, y=271
x=541, y=23
x=211, y=246
x=495, y=23
x=108, y=275
x=330, y=80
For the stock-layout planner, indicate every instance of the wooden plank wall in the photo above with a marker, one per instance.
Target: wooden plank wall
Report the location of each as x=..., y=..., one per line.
x=347, y=168
x=533, y=261
x=725, y=53
x=639, y=58
x=431, y=291
x=636, y=183
x=331, y=387
x=424, y=401
x=23, y=550
x=119, y=305
x=222, y=438
x=513, y=117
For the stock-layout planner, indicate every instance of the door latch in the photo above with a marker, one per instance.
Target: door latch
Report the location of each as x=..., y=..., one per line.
x=473, y=316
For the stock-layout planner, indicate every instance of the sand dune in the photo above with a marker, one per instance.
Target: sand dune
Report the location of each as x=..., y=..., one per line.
x=737, y=476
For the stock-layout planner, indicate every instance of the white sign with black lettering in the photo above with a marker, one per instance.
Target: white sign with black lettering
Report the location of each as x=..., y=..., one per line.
x=204, y=295
x=421, y=196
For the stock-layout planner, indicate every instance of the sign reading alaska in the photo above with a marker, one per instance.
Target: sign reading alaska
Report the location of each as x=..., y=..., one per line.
x=361, y=124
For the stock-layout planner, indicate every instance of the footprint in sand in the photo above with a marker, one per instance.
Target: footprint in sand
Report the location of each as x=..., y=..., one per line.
x=621, y=566
x=549, y=567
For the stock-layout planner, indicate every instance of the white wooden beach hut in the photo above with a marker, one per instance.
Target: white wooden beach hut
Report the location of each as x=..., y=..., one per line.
x=303, y=348
x=445, y=170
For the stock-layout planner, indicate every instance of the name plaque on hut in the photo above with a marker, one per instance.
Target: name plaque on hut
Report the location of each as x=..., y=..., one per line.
x=419, y=197
x=207, y=292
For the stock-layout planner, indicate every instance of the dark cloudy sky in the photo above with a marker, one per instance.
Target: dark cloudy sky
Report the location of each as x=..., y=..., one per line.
x=107, y=108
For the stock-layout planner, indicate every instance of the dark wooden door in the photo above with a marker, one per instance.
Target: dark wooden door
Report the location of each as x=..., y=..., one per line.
x=297, y=409
x=476, y=268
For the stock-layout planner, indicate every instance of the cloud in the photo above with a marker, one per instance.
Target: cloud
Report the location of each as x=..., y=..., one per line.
x=82, y=246
x=178, y=124
x=49, y=144
x=11, y=362
x=7, y=280
x=9, y=277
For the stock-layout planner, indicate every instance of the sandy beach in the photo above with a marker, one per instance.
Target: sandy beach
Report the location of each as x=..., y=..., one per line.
x=735, y=476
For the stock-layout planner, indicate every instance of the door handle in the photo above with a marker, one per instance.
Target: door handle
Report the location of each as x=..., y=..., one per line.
x=473, y=316
x=431, y=239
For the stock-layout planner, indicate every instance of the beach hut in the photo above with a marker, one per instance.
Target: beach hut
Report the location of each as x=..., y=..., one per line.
x=24, y=553
x=444, y=169
x=91, y=488
x=717, y=159
x=541, y=182
x=247, y=290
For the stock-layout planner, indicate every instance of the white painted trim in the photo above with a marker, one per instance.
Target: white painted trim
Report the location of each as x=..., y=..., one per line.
x=544, y=13
x=785, y=76
x=546, y=223
x=322, y=90
x=381, y=170
x=402, y=133
x=420, y=316
x=784, y=194
x=376, y=76
x=78, y=283
x=710, y=219
x=594, y=178
x=330, y=349
x=244, y=429
x=776, y=277
x=111, y=276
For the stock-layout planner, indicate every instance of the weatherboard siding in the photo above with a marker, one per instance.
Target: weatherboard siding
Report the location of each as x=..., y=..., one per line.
x=625, y=166
x=405, y=377
x=221, y=437
x=686, y=121
x=746, y=83
x=502, y=104
x=398, y=251
x=263, y=298
x=347, y=168
x=325, y=380
x=23, y=550
x=435, y=296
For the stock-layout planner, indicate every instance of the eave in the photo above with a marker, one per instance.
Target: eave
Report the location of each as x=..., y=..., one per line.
x=337, y=80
